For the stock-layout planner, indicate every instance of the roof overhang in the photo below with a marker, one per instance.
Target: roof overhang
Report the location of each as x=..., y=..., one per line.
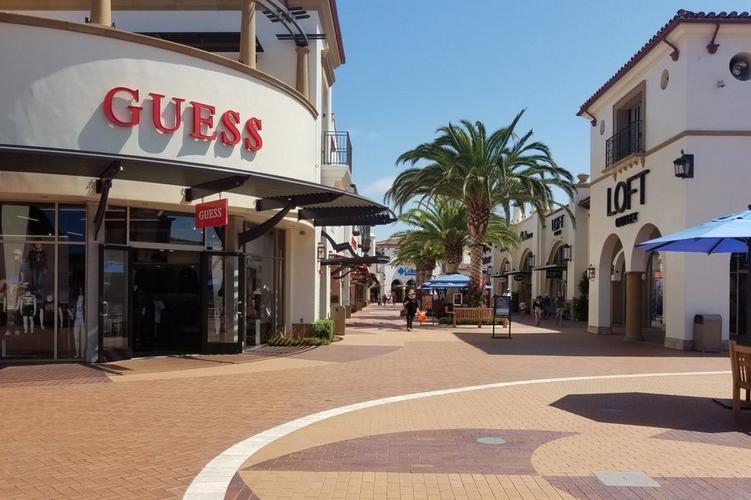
x=549, y=267
x=271, y=190
x=355, y=261
x=681, y=17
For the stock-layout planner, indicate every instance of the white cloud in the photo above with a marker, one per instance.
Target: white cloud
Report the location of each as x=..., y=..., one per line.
x=377, y=188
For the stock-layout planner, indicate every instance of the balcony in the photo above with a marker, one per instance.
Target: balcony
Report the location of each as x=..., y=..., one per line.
x=337, y=149
x=625, y=142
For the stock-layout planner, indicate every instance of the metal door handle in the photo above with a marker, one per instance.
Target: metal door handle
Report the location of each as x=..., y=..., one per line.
x=105, y=309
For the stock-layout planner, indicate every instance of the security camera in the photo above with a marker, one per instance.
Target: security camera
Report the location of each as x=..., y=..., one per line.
x=720, y=84
x=739, y=68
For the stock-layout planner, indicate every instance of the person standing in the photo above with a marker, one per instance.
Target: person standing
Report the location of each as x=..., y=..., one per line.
x=410, y=308
x=560, y=303
x=537, y=309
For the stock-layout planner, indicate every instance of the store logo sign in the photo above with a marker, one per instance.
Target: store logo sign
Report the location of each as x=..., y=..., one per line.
x=122, y=107
x=619, y=200
x=212, y=213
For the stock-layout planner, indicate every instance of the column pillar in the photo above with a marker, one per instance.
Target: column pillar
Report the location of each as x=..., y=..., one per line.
x=302, y=71
x=248, y=33
x=633, y=305
x=101, y=12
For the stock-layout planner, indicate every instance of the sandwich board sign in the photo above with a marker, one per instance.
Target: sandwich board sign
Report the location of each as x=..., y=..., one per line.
x=502, y=309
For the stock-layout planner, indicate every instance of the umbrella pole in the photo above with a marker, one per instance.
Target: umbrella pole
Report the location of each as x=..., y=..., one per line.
x=748, y=287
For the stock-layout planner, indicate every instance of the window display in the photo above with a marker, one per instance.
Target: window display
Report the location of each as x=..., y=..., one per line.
x=34, y=318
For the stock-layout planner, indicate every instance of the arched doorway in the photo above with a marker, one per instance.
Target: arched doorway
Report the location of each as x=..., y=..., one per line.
x=739, y=317
x=397, y=291
x=555, y=277
x=524, y=279
x=605, y=298
x=649, y=269
x=618, y=288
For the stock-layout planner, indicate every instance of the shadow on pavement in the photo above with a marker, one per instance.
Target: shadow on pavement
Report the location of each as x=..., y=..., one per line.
x=570, y=343
x=668, y=411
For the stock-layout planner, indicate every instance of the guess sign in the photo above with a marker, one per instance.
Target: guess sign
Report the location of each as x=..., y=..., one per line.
x=206, y=124
x=212, y=213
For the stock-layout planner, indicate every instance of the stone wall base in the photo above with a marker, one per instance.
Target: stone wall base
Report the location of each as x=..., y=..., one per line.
x=599, y=330
x=679, y=344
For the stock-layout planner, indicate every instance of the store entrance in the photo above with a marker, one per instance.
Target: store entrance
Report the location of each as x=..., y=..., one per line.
x=166, y=301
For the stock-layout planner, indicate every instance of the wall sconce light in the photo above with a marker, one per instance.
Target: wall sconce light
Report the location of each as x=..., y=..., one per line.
x=505, y=267
x=566, y=252
x=591, y=273
x=530, y=261
x=684, y=166
x=321, y=251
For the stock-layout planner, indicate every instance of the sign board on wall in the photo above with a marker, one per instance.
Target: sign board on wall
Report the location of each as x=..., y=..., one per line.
x=212, y=213
x=519, y=277
x=554, y=274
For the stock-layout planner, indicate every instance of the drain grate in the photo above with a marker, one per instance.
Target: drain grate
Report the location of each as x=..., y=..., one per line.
x=491, y=440
x=632, y=479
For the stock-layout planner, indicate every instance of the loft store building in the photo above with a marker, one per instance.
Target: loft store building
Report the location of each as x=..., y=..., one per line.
x=669, y=150
x=166, y=175
x=551, y=255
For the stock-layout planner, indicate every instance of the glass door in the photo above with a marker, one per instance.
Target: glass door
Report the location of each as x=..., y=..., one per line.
x=114, y=293
x=223, y=298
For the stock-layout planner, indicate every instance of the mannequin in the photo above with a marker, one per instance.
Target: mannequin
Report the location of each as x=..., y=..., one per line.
x=78, y=313
x=158, y=308
x=49, y=305
x=37, y=265
x=27, y=303
x=10, y=307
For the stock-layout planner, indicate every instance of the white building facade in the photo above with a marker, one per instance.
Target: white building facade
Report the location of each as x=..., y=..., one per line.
x=686, y=95
x=114, y=126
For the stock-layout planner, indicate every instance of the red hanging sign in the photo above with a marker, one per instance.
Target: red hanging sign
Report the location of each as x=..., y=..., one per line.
x=212, y=213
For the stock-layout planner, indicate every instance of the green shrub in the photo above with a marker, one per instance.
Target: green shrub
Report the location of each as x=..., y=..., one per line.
x=324, y=329
x=278, y=340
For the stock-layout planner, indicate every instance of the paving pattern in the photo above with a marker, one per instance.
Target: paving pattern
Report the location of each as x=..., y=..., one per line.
x=151, y=431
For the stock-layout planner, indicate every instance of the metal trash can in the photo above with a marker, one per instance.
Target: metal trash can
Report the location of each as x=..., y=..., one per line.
x=339, y=315
x=708, y=332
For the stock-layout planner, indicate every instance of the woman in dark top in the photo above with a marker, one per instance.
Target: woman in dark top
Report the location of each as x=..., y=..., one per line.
x=410, y=308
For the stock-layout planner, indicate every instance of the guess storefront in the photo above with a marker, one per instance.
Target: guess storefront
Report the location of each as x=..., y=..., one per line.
x=154, y=198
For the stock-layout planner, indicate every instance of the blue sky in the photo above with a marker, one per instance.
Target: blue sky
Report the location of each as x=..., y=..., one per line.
x=415, y=65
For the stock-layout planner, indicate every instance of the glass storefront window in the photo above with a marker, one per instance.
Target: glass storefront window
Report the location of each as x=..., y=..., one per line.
x=264, y=302
x=655, y=283
x=27, y=292
x=27, y=222
x=160, y=226
x=71, y=223
x=115, y=225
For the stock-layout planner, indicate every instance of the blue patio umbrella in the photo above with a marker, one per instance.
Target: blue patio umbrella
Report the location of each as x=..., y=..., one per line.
x=450, y=278
x=726, y=234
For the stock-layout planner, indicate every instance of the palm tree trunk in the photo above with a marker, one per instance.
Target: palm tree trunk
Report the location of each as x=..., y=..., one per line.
x=453, y=257
x=477, y=225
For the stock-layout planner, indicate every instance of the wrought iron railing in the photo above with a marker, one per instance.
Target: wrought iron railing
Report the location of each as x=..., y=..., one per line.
x=337, y=149
x=626, y=141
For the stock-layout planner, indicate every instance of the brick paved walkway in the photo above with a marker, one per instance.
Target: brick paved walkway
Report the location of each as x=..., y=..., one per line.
x=150, y=433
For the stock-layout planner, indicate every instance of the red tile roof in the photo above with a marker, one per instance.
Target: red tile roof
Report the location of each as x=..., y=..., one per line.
x=682, y=16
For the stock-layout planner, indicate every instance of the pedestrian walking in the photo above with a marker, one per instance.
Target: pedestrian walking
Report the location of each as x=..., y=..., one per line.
x=560, y=303
x=537, y=309
x=410, y=308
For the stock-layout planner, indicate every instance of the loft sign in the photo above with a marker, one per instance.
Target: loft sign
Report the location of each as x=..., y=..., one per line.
x=619, y=198
x=206, y=124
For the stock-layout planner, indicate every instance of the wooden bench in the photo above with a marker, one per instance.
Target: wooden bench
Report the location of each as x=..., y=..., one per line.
x=478, y=314
x=740, y=363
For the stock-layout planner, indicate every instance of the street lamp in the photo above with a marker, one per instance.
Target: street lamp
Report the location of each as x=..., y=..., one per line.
x=321, y=250
x=684, y=166
x=591, y=272
x=566, y=252
x=530, y=261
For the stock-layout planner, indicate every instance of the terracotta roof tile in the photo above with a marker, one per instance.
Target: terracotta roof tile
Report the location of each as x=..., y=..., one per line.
x=682, y=16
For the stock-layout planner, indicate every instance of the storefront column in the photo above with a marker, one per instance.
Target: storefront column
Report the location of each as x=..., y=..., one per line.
x=248, y=33
x=101, y=12
x=633, y=305
x=302, y=71
x=91, y=297
x=303, y=285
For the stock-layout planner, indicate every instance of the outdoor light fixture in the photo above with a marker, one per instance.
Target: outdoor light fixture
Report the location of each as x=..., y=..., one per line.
x=530, y=261
x=566, y=252
x=321, y=250
x=506, y=266
x=591, y=272
x=684, y=166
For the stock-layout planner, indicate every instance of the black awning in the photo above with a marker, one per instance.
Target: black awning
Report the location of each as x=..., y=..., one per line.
x=549, y=267
x=322, y=201
x=512, y=273
x=355, y=261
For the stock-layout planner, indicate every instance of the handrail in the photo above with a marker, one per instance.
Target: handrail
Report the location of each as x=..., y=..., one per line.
x=337, y=149
x=626, y=141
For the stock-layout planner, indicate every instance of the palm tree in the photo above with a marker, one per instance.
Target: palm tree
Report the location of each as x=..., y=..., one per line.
x=486, y=172
x=442, y=222
x=413, y=250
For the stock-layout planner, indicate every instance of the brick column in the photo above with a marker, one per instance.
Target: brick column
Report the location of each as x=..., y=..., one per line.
x=101, y=12
x=248, y=33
